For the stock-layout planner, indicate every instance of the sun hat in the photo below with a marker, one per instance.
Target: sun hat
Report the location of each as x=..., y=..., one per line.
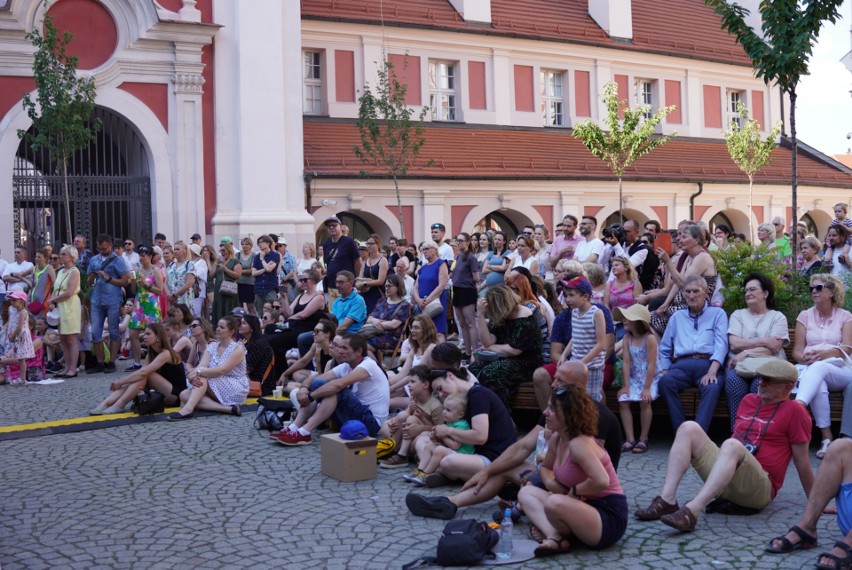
x=777, y=369
x=17, y=295
x=353, y=429
x=195, y=248
x=635, y=312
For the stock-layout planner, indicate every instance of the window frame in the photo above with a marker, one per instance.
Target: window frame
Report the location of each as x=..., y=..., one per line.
x=437, y=111
x=312, y=85
x=547, y=99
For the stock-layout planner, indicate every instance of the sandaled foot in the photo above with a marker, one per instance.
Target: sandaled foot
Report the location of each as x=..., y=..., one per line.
x=536, y=534
x=641, y=446
x=823, y=449
x=628, y=446
x=838, y=558
x=656, y=509
x=683, y=520
x=552, y=547
x=784, y=544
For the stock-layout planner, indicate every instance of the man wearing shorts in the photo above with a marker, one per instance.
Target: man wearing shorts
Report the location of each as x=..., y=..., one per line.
x=749, y=468
x=512, y=464
x=357, y=389
x=834, y=479
x=107, y=274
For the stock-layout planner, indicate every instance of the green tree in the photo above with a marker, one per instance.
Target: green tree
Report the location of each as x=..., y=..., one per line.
x=62, y=112
x=748, y=151
x=790, y=29
x=623, y=141
x=390, y=138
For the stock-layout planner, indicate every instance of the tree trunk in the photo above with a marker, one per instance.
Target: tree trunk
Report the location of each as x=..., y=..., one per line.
x=750, y=207
x=620, y=202
x=794, y=222
x=69, y=231
x=398, y=207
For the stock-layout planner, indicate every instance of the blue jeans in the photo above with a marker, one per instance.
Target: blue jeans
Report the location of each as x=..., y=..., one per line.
x=350, y=407
x=110, y=313
x=687, y=373
x=304, y=341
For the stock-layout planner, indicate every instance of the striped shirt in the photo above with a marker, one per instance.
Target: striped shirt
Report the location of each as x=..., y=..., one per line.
x=584, y=337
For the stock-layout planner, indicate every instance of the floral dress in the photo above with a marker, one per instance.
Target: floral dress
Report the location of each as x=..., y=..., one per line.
x=21, y=346
x=177, y=278
x=503, y=376
x=147, y=310
x=639, y=371
x=231, y=388
x=385, y=311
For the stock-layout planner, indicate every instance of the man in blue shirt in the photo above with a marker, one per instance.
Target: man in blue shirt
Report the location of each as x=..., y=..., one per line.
x=287, y=273
x=350, y=308
x=692, y=352
x=265, y=271
x=107, y=274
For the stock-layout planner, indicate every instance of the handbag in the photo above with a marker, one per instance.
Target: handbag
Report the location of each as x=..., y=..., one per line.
x=255, y=386
x=271, y=414
x=433, y=309
x=748, y=368
x=370, y=331
x=228, y=288
x=148, y=402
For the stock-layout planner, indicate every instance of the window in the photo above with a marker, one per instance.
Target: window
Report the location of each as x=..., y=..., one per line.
x=312, y=83
x=552, y=103
x=645, y=95
x=734, y=100
x=442, y=90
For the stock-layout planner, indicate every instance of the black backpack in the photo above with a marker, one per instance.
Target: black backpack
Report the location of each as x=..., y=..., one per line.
x=148, y=402
x=463, y=542
x=271, y=414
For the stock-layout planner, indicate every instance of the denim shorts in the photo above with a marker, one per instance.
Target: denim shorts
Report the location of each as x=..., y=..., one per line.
x=110, y=313
x=349, y=407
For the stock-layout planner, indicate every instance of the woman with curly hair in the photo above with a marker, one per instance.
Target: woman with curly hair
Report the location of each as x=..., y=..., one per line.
x=582, y=498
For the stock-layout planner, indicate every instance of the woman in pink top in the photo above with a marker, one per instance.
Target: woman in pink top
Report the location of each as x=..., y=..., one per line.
x=823, y=337
x=582, y=497
x=622, y=291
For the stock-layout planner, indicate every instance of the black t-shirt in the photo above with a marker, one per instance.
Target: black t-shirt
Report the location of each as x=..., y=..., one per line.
x=609, y=430
x=501, y=430
x=340, y=256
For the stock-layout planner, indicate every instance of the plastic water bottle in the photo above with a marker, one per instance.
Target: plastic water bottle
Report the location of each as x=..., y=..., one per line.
x=540, y=445
x=505, y=548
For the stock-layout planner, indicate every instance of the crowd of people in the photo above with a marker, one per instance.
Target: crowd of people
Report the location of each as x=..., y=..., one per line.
x=427, y=345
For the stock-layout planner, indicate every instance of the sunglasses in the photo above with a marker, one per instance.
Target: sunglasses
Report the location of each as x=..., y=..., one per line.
x=437, y=227
x=128, y=243
x=54, y=257
x=304, y=279
x=194, y=325
x=276, y=307
x=817, y=288
x=317, y=331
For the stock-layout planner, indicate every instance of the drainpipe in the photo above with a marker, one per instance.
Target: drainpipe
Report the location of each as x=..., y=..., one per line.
x=692, y=201
x=308, y=178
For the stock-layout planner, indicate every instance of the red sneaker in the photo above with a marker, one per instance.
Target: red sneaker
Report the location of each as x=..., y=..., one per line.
x=293, y=438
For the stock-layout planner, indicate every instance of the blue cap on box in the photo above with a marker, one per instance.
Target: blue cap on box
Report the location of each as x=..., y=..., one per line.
x=353, y=429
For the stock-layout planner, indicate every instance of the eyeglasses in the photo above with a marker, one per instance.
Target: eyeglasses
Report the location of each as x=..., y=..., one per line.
x=276, y=307
x=317, y=331
x=54, y=257
x=753, y=289
x=371, y=243
x=337, y=345
x=304, y=279
x=194, y=325
x=818, y=288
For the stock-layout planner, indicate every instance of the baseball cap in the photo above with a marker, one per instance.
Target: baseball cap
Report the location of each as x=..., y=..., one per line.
x=332, y=220
x=580, y=283
x=195, y=236
x=353, y=429
x=226, y=239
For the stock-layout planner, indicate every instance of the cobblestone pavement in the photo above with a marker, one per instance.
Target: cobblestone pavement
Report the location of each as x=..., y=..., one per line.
x=212, y=493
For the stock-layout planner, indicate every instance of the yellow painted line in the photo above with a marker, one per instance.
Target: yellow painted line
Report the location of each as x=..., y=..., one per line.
x=84, y=420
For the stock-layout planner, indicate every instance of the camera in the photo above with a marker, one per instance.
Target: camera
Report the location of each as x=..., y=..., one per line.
x=614, y=231
x=751, y=448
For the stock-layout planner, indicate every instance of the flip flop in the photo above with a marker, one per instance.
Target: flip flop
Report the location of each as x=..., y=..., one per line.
x=823, y=449
x=628, y=446
x=806, y=542
x=561, y=547
x=640, y=447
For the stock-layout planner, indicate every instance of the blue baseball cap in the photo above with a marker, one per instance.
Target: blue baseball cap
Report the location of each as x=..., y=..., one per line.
x=353, y=429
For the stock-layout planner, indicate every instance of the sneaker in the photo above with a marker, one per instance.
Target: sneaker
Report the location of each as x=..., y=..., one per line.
x=112, y=410
x=431, y=507
x=416, y=476
x=293, y=438
x=395, y=461
x=132, y=367
x=124, y=356
x=109, y=368
x=98, y=369
x=99, y=411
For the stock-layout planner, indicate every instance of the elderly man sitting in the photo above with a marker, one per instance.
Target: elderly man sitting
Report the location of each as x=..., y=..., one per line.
x=692, y=352
x=749, y=468
x=401, y=268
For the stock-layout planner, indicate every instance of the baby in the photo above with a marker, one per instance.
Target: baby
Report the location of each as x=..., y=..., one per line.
x=455, y=407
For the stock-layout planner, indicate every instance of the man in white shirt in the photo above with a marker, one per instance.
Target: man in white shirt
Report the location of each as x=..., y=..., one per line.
x=401, y=269
x=200, y=273
x=445, y=252
x=357, y=389
x=131, y=258
x=12, y=273
x=589, y=248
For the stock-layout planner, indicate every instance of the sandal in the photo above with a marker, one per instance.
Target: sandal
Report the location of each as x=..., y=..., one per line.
x=628, y=446
x=561, y=546
x=838, y=563
x=806, y=542
x=824, y=449
x=536, y=534
x=641, y=446
x=683, y=520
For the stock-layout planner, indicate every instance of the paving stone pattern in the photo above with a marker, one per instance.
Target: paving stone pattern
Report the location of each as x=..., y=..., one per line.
x=212, y=493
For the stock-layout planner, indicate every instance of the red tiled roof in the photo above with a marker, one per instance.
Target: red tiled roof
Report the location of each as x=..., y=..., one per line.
x=461, y=152
x=685, y=28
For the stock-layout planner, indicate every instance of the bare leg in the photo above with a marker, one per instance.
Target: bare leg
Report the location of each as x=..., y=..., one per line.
x=646, y=413
x=209, y=403
x=541, y=385
x=532, y=500
x=425, y=449
x=626, y=420
x=688, y=443
x=71, y=351
x=22, y=364
x=135, y=346
x=399, y=402
x=491, y=487
x=461, y=467
x=114, y=348
x=324, y=410
x=119, y=398
x=572, y=517
x=731, y=455
x=163, y=386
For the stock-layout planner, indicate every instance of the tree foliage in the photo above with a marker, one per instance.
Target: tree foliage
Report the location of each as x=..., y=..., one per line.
x=62, y=112
x=623, y=141
x=790, y=29
x=391, y=138
x=748, y=151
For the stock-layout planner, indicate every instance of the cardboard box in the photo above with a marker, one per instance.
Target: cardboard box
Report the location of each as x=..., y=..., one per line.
x=346, y=460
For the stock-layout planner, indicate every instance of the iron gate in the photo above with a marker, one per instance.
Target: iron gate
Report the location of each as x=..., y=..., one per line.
x=108, y=185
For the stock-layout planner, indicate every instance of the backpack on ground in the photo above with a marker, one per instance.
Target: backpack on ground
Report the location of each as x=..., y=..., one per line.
x=272, y=414
x=463, y=542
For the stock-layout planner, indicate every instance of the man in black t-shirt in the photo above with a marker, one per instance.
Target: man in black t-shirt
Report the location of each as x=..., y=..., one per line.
x=340, y=253
x=512, y=464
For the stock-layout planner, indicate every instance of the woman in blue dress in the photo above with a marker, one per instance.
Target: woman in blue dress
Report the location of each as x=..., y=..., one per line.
x=431, y=284
x=495, y=264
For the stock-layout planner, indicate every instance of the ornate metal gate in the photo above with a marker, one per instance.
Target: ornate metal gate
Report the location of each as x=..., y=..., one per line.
x=108, y=185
